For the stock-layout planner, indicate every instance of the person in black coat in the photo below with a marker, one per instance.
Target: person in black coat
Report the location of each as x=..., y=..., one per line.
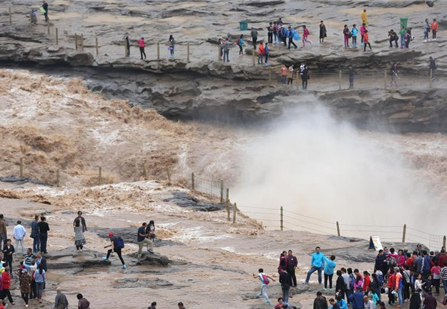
x=415, y=301
x=340, y=285
x=304, y=73
x=323, y=32
x=320, y=302
x=286, y=283
x=8, y=253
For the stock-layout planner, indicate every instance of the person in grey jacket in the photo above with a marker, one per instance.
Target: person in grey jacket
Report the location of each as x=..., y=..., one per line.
x=226, y=49
x=426, y=29
x=254, y=37
x=61, y=301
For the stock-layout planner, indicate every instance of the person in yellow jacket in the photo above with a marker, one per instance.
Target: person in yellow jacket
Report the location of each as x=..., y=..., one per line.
x=364, y=17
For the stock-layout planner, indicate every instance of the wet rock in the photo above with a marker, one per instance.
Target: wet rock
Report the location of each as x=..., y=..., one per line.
x=183, y=199
x=68, y=258
x=155, y=283
x=151, y=259
x=265, y=3
x=274, y=291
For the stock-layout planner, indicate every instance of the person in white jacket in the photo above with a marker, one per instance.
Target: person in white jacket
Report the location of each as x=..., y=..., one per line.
x=19, y=235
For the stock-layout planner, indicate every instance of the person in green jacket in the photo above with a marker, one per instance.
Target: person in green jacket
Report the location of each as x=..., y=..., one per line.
x=402, y=33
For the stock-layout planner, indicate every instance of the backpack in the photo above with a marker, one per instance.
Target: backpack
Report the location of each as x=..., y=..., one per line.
x=265, y=280
x=392, y=262
x=119, y=243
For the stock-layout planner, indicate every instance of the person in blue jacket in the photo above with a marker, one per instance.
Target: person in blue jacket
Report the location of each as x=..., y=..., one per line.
x=290, y=35
x=329, y=266
x=316, y=265
x=357, y=299
x=354, y=32
x=341, y=302
x=284, y=35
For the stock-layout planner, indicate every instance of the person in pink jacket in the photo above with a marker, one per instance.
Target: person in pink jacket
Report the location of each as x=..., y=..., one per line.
x=362, y=31
x=400, y=259
x=142, y=45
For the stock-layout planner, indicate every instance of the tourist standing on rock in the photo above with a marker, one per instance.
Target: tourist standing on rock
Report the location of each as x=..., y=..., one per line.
x=270, y=33
x=364, y=17
x=366, y=41
x=81, y=220
x=172, y=46
x=346, y=34
x=282, y=261
x=43, y=233
x=393, y=38
x=434, y=29
x=39, y=277
x=432, y=66
x=83, y=303
x=351, y=74
x=151, y=235
x=35, y=234
x=304, y=73
x=286, y=283
x=408, y=38
x=402, y=33
x=354, y=33
x=292, y=264
x=284, y=35
x=127, y=42
x=261, y=53
x=284, y=72
x=306, y=34
x=142, y=238
x=6, y=284
x=240, y=43
x=426, y=30
x=276, y=27
x=254, y=38
x=329, y=266
x=266, y=53
x=362, y=32
x=45, y=8
x=320, y=302
x=3, y=232
x=25, y=281
x=117, y=244
x=290, y=35
x=265, y=280
x=323, y=32
x=60, y=301
x=316, y=265
x=19, y=234
x=142, y=45
x=8, y=254
x=79, y=235
x=290, y=78
x=33, y=16
x=153, y=305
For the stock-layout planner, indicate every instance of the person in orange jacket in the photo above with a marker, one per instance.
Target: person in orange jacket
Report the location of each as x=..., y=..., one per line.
x=366, y=40
x=284, y=72
x=434, y=29
x=261, y=53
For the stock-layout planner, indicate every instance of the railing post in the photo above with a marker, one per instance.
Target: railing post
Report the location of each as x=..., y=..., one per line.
x=192, y=182
x=270, y=76
x=169, y=176
x=404, y=233
x=57, y=36
x=385, y=79
x=99, y=175
x=58, y=179
x=338, y=229
x=431, y=79
x=234, y=212
x=144, y=172
x=221, y=191
x=10, y=16
x=339, y=80
x=96, y=45
x=126, y=50
x=187, y=53
x=282, y=219
x=158, y=53
x=21, y=168
x=76, y=41
x=82, y=42
x=253, y=56
x=228, y=203
x=219, y=50
x=444, y=241
x=48, y=26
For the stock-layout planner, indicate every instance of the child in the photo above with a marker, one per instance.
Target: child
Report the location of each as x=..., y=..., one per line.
x=265, y=280
x=306, y=36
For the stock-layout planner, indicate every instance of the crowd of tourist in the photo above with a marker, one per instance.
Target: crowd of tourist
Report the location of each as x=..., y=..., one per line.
x=397, y=277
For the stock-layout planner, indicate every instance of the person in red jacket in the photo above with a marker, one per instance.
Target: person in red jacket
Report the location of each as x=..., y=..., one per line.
x=366, y=281
x=442, y=258
x=391, y=285
x=142, y=45
x=434, y=29
x=6, y=283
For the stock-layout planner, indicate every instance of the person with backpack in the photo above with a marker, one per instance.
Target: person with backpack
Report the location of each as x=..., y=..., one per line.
x=117, y=244
x=240, y=43
x=354, y=33
x=265, y=281
x=376, y=285
x=142, y=45
x=408, y=38
x=347, y=35
x=399, y=287
x=306, y=34
x=323, y=32
x=432, y=66
x=406, y=277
